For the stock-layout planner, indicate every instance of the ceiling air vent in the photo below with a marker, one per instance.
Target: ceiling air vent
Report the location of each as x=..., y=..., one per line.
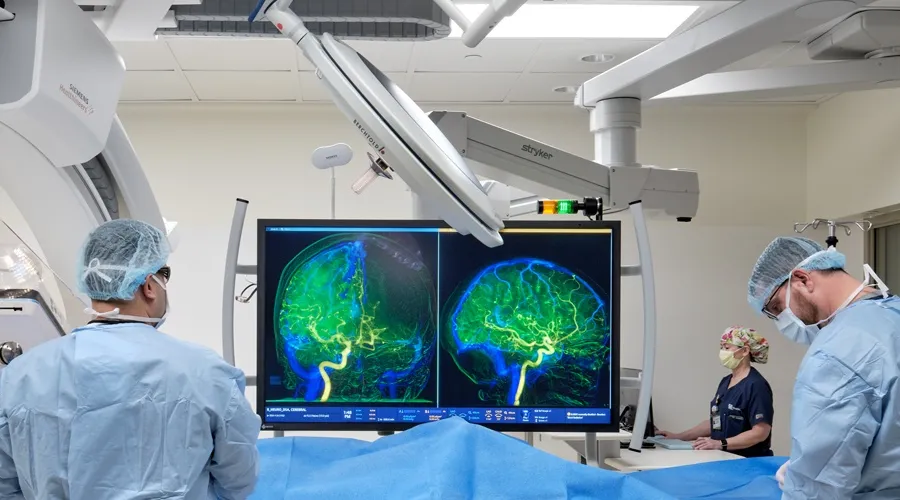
x=347, y=19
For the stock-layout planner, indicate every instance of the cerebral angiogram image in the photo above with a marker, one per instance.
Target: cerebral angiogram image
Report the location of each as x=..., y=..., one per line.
x=354, y=322
x=525, y=328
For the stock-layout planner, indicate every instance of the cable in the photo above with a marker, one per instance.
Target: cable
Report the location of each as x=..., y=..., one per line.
x=242, y=298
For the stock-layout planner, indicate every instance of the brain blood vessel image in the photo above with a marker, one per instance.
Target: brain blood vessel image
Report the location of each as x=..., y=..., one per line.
x=528, y=332
x=354, y=321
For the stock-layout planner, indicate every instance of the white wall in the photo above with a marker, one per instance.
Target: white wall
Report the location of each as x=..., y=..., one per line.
x=199, y=158
x=853, y=159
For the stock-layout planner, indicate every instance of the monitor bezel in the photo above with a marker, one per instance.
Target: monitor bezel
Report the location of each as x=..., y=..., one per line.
x=615, y=310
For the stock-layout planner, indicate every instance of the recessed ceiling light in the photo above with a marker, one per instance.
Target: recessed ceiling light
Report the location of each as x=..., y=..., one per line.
x=566, y=89
x=570, y=20
x=473, y=56
x=597, y=58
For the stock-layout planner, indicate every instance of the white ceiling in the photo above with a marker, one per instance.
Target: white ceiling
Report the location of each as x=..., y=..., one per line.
x=497, y=71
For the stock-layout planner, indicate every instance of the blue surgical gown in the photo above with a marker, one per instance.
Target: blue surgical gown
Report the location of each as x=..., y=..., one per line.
x=122, y=411
x=845, y=423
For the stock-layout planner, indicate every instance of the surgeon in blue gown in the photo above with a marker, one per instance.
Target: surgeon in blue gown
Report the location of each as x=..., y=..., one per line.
x=845, y=424
x=117, y=409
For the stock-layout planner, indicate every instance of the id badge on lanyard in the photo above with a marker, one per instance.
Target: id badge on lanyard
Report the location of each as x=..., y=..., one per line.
x=714, y=416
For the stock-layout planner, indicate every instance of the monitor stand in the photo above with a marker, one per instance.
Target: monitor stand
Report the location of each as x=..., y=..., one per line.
x=385, y=433
x=529, y=438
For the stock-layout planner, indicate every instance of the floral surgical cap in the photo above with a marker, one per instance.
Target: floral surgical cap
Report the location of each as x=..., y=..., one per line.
x=741, y=337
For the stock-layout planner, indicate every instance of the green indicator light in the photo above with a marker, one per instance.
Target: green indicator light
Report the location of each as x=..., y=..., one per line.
x=566, y=207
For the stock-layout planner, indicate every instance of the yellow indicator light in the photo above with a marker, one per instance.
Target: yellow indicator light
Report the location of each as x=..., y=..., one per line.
x=563, y=207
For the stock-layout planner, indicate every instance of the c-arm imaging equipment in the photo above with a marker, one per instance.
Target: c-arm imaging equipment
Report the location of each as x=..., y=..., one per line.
x=65, y=160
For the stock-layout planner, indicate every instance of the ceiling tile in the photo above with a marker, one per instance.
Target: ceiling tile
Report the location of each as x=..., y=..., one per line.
x=538, y=87
x=244, y=85
x=146, y=56
x=312, y=89
x=564, y=56
x=490, y=56
x=461, y=87
x=156, y=86
x=389, y=57
x=227, y=54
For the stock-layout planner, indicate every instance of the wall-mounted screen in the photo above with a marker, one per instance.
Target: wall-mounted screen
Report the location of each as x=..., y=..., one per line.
x=382, y=325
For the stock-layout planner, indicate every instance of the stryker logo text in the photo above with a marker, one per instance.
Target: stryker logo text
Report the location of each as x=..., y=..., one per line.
x=373, y=143
x=537, y=153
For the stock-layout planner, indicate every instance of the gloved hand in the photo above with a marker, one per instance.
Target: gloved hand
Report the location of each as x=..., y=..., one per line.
x=780, y=474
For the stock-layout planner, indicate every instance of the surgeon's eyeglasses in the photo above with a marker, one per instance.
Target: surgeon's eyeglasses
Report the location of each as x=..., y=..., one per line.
x=767, y=307
x=165, y=272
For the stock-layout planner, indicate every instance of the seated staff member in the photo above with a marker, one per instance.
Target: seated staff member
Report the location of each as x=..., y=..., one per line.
x=741, y=413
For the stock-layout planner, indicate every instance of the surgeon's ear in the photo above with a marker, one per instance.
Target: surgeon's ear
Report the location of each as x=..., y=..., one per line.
x=148, y=290
x=802, y=280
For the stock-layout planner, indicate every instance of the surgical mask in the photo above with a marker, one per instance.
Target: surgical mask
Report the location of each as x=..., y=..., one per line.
x=797, y=331
x=728, y=360
x=114, y=314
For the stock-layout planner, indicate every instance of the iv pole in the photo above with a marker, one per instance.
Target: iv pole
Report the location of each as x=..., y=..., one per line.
x=832, y=239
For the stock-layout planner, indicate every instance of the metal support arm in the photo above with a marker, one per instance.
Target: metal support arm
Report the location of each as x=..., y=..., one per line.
x=476, y=31
x=773, y=83
x=649, y=290
x=741, y=31
x=231, y=271
x=537, y=167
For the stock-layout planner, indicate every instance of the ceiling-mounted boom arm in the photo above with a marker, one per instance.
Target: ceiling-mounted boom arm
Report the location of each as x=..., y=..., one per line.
x=476, y=31
x=739, y=32
x=514, y=159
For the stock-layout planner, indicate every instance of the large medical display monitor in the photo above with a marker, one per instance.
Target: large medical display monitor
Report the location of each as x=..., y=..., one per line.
x=382, y=325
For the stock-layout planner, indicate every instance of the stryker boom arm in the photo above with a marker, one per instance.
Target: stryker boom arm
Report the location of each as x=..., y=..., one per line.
x=516, y=160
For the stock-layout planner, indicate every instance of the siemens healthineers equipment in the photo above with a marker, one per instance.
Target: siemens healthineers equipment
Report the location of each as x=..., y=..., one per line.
x=65, y=160
x=383, y=325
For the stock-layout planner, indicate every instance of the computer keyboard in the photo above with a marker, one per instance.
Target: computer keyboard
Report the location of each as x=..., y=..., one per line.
x=670, y=444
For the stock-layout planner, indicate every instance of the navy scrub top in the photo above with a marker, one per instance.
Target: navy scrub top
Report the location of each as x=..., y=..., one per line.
x=746, y=404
